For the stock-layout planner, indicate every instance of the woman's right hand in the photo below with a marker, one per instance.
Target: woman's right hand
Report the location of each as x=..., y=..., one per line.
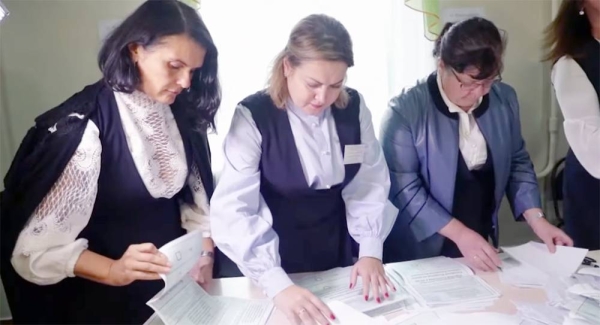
x=302, y=307
x=477, y=250
x=139, y=262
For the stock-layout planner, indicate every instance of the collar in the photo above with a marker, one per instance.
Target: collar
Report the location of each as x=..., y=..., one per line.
x=308, y=118
x=440, y=104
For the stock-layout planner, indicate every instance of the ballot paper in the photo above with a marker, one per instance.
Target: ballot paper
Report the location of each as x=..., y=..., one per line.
x=441, y=318
x=563, y=263
x=588, y=311
x=333, y=285
x=442, y=281
x=346, y=315
x=542, y=312
x=520, y=274
x=184, y=302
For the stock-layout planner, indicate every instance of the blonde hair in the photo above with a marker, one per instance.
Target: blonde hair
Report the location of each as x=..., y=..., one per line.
x=316, y=37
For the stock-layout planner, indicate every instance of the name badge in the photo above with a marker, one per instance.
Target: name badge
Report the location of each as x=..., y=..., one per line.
x=354, y=154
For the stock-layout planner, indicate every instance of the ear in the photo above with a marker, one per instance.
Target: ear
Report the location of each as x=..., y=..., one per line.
x=287, y=67
x=441, y=65
x=135, y=50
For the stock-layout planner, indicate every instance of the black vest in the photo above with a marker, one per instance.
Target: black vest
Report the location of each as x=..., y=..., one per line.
x=311, y=224
x=582, y=190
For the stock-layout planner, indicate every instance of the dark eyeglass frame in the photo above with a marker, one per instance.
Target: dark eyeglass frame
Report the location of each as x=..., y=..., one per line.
x=486, y=84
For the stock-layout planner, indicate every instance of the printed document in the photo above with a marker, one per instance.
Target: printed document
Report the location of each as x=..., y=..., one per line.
x=184, y=302
x=442, y=281
x=333, y=285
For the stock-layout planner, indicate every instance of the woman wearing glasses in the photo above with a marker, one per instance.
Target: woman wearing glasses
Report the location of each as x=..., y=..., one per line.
x=453, y=145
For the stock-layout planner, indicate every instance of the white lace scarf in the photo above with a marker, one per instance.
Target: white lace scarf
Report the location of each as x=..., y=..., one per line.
x=154, y=142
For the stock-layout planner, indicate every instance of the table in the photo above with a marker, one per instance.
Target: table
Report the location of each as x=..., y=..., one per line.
x=243, y=288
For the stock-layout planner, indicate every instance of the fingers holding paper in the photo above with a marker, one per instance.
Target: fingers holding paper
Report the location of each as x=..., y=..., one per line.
x=139, y=262
x=549, y=234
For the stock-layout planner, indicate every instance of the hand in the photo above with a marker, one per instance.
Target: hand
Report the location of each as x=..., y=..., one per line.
x=550, y=234
x=302, y=307
x=202, y=272
x=477, y=250
x=373, y=276
x=140, y=262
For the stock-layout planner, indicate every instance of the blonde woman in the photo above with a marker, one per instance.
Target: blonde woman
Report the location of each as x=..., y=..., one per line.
x=304, y=176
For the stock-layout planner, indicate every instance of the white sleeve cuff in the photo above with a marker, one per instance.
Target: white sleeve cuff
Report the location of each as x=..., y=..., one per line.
x=274, y=281
x=77, y=250
x=371, y=247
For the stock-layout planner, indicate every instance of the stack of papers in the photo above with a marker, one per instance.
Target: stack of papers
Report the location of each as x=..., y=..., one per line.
x=184, y=302
x=532, y=265
x=332, y=285
x=443, y=282
x=572, y=300
x=441, y=318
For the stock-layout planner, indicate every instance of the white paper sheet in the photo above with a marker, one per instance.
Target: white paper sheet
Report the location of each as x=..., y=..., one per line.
x=186, y=303
x=588, y=310
x=182, y=253
x=589, y=270
x=346, y=315
x=542, y=312
x=333, y=285
x=442, y=281
x=416, y=318
x=563, y=263
x=478, y=318
x=521, y=274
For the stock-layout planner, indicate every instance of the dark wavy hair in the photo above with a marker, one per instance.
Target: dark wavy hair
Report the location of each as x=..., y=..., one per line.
x=475, y=42
x=568, y=33
x=146, y=26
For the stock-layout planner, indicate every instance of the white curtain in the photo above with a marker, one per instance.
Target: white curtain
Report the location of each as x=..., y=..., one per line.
x=390, y=50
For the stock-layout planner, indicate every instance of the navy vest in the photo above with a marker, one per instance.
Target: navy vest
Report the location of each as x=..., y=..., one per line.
x=582, y=190
x=473, y=202
x=311, y=224
x=124, y=214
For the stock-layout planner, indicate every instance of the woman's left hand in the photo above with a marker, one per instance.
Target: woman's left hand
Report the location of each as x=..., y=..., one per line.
x=550, y=234
x=203, y=270
x=373, y=277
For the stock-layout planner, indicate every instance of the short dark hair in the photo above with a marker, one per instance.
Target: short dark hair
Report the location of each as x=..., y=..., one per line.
x=472, y=42
x=152, y=21
x=568, y=33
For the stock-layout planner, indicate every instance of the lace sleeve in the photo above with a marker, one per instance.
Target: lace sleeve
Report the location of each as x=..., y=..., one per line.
x=47, y=248
x=196, y=216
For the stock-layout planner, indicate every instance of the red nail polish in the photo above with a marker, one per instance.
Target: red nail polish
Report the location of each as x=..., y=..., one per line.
x=366, y=298
x=332, y=316
x=387, y=295
x=378, y=300
x=350, y=285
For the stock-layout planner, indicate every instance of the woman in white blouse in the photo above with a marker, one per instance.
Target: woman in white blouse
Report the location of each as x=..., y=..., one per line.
x=304, y=176
x=116, y=171
x=573, y=41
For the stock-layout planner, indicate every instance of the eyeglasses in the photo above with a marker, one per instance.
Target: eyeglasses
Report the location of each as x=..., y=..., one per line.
x=485, y=84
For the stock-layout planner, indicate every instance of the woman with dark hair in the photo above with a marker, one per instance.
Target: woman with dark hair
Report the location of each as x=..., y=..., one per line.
x=453, y=145
x=117, y=170
x=573, y=44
